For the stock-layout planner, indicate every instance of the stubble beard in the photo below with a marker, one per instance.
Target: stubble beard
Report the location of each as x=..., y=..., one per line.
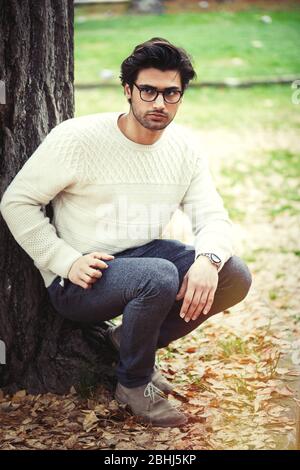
x=146, y=121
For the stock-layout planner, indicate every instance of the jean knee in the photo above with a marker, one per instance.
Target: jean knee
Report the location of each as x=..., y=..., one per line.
x=163, y=277
x=240, y=276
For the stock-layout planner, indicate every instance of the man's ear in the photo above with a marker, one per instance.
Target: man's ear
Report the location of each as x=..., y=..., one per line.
x=127, y=91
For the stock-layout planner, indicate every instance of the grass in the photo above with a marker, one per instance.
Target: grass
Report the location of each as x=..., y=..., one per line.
x=208, y=108
x=221, y=43
x=233, y=346
x=241, y=386
x=283, y=198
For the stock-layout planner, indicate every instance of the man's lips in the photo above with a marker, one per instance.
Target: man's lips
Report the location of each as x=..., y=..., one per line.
x=157, y=115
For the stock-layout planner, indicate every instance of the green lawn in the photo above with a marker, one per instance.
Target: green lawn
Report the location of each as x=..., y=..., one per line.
x=220, y=43
x=209, y=107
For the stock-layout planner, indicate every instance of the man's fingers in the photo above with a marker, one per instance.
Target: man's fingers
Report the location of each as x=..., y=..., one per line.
x=97, y=263
x=96, y=260
x=92, y=276
x=194, y=305
x=201, y=305
x=182, y=289
x=94, y=273
x=184, y=308
x=209, y=303
x=188, y=298
x=82, y=284
x=89, y=264
x=99, y=255
x=86, y=278
x=204, y=307
x=106, y=256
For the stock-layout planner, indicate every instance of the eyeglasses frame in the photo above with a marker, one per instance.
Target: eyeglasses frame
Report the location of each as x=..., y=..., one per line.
x=157, y=93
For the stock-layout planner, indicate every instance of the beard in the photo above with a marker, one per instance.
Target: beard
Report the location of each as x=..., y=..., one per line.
x=151, y=122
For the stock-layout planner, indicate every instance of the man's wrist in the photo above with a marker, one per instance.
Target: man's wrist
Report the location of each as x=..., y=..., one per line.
x=212, y=258
x=204, y=260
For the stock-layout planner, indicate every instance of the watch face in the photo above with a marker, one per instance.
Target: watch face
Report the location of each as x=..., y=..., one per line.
x=215, y=258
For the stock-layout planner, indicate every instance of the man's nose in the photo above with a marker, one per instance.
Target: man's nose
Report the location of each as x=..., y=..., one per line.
x=159, y=101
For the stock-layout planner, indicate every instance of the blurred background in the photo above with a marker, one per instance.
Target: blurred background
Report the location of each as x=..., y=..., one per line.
x=245, y=108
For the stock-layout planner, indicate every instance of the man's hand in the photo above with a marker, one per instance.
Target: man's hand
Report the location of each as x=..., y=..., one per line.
x=198, y=289
x=83, y=272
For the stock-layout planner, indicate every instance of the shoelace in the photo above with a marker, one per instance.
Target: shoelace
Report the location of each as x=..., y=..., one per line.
x=151, y=390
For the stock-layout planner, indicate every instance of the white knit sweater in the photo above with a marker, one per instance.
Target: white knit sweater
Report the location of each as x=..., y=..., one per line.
x=110, y=193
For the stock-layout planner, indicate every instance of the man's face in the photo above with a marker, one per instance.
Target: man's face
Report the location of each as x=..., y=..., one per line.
x=154, y=115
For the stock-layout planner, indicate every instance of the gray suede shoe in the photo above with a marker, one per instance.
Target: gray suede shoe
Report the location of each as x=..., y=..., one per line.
x=150, y=405
x=114, y=337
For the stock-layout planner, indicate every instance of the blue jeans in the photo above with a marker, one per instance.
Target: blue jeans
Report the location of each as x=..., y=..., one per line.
x=142, y=284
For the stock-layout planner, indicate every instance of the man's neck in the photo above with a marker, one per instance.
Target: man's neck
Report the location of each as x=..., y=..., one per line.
x=134, y=131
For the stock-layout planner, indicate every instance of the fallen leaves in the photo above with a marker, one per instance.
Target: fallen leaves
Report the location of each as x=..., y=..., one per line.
x=240, y=387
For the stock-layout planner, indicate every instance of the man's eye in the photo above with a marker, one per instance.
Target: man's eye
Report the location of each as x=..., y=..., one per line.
x=149, y=91
x=170, y=92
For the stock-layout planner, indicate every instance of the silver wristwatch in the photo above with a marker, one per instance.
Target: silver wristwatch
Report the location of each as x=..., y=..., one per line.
x=213, y=258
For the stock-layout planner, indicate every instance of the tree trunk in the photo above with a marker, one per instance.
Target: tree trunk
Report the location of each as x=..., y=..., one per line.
x=147, y=6
x=43, y=351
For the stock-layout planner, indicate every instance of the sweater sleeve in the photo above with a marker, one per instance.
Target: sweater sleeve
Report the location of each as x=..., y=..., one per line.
x=204, y=206
x=49, y=170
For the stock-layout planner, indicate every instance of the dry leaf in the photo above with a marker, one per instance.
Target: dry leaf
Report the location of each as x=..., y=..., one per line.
x=191, y=350
x=90, y=421
x=70, y=442
x=101, y=410
x=285, y=391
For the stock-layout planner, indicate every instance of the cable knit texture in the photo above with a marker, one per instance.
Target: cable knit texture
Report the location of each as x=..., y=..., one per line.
x=110, y=193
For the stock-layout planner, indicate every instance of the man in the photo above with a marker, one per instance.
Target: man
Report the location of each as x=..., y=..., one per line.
x=115, y=180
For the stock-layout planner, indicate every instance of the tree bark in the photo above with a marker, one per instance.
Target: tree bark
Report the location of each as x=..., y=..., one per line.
x=43, y=351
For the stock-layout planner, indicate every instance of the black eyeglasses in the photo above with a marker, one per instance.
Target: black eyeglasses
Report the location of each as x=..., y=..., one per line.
x=149, y=93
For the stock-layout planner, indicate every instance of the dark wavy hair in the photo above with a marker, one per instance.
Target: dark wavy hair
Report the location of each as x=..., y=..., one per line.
x=160, y=54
